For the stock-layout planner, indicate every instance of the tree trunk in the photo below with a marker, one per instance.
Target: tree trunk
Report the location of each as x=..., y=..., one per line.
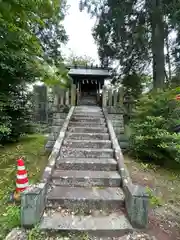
x=157, y=25
x=168, y=58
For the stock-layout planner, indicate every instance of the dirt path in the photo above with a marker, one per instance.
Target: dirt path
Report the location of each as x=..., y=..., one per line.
x=164, y=220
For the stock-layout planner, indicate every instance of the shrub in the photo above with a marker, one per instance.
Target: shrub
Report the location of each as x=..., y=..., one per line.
x=152, y=125
x=14, y=115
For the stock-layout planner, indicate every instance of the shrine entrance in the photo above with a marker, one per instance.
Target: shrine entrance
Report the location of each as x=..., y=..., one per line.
x=89, y=82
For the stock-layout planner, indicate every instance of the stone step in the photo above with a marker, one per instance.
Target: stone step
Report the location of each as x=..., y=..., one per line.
x=93, y=164
x=87, y=124
x=116, y=117
x=87, y=136
x=85, y=199
x=88, y=109
x=86, y=114
x=85, y=119
x=86, y=178
x=88, y=143
x=113, y=225
x=88, y=130
x=86, y=153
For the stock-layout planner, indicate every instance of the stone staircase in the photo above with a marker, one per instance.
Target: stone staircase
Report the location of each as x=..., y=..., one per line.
x=88, y=101
x=85, y=193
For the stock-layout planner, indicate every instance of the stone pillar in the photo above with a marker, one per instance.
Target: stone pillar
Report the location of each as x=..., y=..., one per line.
x=137, y=204
x=67, y=98
x=110, y=97
x=121, y=96
x=56, y=102
x=73, y=95
x=115, y=95
x=33, y=204
x=104, y=97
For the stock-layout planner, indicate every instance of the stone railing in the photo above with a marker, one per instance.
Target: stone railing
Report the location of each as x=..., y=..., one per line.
x=33, y=200
x=136, y=197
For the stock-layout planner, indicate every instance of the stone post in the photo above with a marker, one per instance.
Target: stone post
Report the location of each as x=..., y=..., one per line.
x=110, y=97
x=104, y=97
x=115, y=94
x=67, y=97
x=56, y=102
x=121, y=96
x=73, y=95
x=137, y=204
x=33, y=204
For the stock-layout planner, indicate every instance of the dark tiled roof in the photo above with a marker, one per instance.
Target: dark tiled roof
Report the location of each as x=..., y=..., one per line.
x=90, y=72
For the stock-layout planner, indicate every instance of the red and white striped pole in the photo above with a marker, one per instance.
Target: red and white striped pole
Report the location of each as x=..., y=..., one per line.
x=21, y=177
x=178, y=97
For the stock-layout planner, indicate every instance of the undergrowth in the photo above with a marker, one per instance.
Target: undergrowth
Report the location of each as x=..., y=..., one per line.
x=30, y=148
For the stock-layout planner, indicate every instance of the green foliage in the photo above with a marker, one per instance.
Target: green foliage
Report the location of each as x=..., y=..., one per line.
x=132, y=85
x=10, y=218
x=152, y=125
x=154, y=200
x=31, y=37
x=79, y=60
x=31, y=149
x=133, y=33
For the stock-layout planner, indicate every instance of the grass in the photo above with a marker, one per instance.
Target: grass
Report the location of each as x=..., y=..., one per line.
x=165, y=182
x=30, y=148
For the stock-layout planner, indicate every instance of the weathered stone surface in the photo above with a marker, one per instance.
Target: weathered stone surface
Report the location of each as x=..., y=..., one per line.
x=33, y=204
x=119, y=130
x=124, y=145
x=112, y=225
x=49, y=145
x=115, y=110
x=118, y=123
x=86, y=178
x=94, y=164
x=87, y=130
x=88, y=143
x=116, y=117
x=85, y=199
x=84, y=119
x=136, y=199
x=122, y=138
x=87, y=136
x=53, y=136
x=88, y=113
x=88, y=109
x=17, y=234
x=58, y=122
x=86, y=152
x=60, y=115
x=137, y=204
x=87, y=124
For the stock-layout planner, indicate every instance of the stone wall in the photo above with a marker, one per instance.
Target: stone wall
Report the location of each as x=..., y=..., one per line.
x=116, y=115
x=59, y=115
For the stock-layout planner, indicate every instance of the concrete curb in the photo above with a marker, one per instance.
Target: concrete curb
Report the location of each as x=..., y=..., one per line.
x=136, y=197
x=33, y=200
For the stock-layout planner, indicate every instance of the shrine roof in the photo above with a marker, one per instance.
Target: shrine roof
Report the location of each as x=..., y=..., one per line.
x=89, y=71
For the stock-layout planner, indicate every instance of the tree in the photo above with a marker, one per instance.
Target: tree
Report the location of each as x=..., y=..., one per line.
x=134, y=33
x=52, y=35
x=22, y=58
x=72, y=59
